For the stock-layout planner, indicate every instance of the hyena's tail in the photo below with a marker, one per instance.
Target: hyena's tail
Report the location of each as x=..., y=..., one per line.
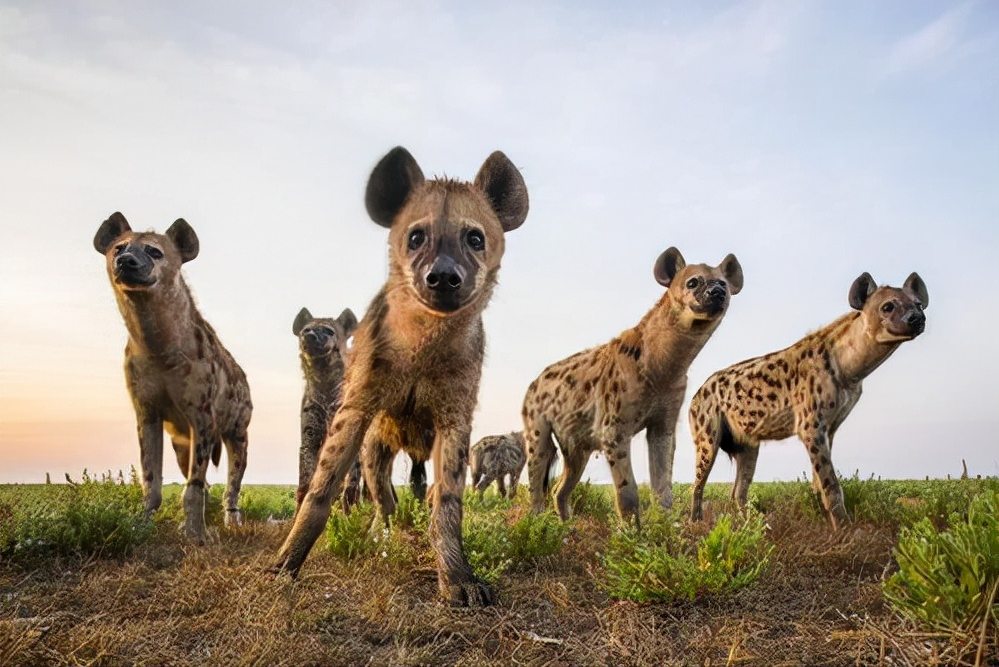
x=550, y=465
x=726, y=439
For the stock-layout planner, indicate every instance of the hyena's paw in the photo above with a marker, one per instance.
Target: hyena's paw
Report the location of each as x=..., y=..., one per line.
x=472, y=593
x=233, y=518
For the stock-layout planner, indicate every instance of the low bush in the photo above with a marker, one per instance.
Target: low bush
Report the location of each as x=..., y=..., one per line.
x=664, y=562
x=493, y=543
x=947, y=580
x=96, y=517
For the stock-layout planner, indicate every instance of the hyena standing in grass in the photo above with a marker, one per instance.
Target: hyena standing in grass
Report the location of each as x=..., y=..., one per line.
x=807, y=389
x=322, y=345
x=177, y=371
x=417, y=354
x=598, y=399
x=495, y=457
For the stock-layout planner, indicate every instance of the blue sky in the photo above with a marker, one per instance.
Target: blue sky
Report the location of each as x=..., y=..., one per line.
x=814, y=140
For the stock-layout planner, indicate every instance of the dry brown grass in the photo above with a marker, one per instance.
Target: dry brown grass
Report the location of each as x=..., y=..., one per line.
x=819, y=603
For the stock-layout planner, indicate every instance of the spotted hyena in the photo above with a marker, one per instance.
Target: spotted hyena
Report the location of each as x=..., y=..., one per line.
x=417, y=354
x=496, y=457
x=322, y=346
x=807, y=389
x=177, y=371
x=598, y=399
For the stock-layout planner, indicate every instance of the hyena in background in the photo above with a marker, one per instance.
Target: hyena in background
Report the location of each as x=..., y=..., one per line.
x=417, y=355
x=322, y=346
x=807, y=389
x=323, y=352
x=598, y=399
x=177, y=371
x=495, y=457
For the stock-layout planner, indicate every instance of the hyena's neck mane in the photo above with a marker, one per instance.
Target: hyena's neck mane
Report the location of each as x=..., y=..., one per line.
x=853, y=346
x=414, y=329
x=161, y=320
x=663, y=345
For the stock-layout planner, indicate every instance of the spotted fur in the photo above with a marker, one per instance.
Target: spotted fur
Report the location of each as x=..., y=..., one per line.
x=178, y=374
x=598, y=399
x=496, y=457
x=417, y=355
x=807, y=389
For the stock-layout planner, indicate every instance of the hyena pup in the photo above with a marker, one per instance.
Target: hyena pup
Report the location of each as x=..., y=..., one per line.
x=417, y=355
x=322, y=345
x=496, y=457
x=807, y=389
x=177, y=372
x=598, y=399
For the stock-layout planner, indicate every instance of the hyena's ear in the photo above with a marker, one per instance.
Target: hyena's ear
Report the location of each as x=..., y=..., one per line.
x=861, y=288
x=109, y=230
x=732, y=271
x=916, y=285
x=303, y=318
x=348, y=320
x=183, y=236
x=391, y=181
x=505, y=189
x=667, y=266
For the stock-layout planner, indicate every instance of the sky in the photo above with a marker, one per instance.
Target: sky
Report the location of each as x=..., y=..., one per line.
x=815, y=140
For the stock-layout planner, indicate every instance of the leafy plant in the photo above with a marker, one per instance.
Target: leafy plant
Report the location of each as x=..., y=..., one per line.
x=494, y=544
x=664, y=563
x=101, y=517
x=948, y=580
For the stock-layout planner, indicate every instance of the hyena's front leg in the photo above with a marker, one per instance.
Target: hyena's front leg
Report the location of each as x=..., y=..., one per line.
x=236, y=449
x=346, y=433
x=151, y=461
x=313, y=434
x=204, y=439
x=618, y=453
x=378, y=477
x=540, y=456
x=815, y=437
x=660, y=434
x=457, y=583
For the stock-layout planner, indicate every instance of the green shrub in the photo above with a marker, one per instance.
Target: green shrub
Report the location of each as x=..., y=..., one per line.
x=95, y=517
x=593, y=501
x=664, y=563
x=493, y=544
x=410, y=512
x=350, y=536
x=260, y=503
x=947, y=580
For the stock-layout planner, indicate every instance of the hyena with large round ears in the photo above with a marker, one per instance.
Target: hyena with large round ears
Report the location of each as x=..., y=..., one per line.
x=495, y=458
x=417, y=354
x=807, y=390
x=597, y=400
x=177, y=371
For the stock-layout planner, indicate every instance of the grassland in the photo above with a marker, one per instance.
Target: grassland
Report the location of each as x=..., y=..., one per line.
x=815, y=597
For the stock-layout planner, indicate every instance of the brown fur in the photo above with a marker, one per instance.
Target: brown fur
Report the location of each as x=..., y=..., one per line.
x=598, y=399
x=178, y=373
x=807, y=390
x=418, y=351
x=496, y=457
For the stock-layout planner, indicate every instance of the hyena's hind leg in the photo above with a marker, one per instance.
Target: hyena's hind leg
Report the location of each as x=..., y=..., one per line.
x=540, y=458
x=705, y=430
x=572, y=472
x=515, y=478
x=745, y=467
x=236, y=448
x=205, y=441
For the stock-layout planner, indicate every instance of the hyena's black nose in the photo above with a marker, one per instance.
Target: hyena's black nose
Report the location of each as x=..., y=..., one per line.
x=915, y=319
x=445, y=275
x=717, y=291
x=126, y=261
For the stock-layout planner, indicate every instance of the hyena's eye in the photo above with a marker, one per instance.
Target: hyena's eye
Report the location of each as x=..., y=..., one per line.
x=888, y=307
x=693, y=283
x=416, y=238
x=155, y=253
x=475, y=240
